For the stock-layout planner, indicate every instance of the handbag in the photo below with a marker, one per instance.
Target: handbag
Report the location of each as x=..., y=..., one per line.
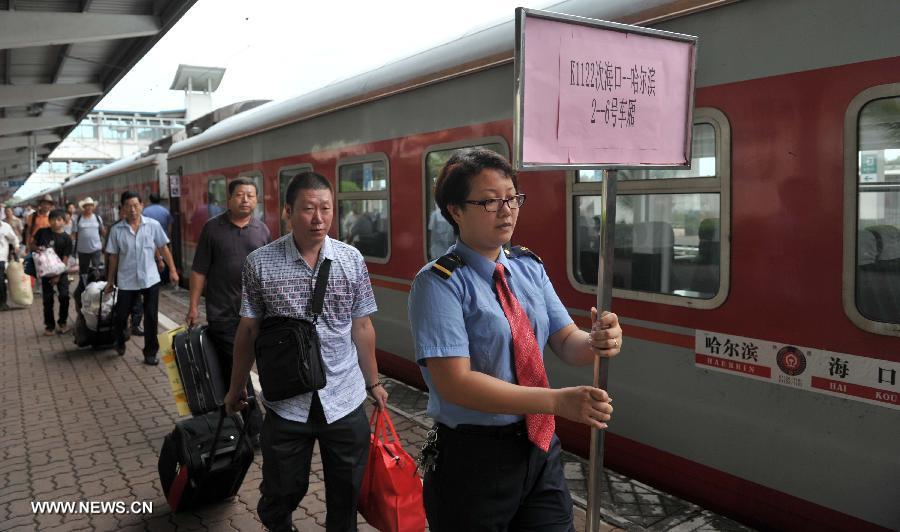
x=48, y=264
x=288, y=352
x=390, y=498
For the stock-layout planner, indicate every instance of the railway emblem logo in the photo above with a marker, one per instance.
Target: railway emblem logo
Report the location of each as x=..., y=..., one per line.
x=791, y=360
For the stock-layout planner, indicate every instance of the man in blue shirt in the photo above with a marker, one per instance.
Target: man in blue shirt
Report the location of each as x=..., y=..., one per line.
x=132, y=247
x=159, y=213
x=162, y=215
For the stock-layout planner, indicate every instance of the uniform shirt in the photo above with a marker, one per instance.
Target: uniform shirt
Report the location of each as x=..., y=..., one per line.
x=60, y=242
x=278, y=282
x=136, y=250
x=461, y=317
x=160, y=214
x=220, y=255
x=8, y=238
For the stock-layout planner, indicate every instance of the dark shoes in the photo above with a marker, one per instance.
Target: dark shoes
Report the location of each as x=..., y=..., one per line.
x=4, y=307
x=137, y=331
x=151, y=360
x=120, y=349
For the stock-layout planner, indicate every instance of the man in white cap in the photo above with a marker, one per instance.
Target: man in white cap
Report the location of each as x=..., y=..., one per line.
x=88, y=231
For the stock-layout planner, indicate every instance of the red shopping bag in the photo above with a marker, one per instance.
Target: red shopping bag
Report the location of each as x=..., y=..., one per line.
x=391, y=495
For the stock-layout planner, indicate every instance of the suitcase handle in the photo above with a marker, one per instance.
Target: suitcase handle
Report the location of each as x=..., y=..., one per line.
x=251, y=403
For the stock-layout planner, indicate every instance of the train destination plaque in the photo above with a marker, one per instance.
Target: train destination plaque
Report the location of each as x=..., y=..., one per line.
x=596, y=94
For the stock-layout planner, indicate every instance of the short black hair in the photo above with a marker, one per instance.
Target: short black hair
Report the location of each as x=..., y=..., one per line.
x=453, y=184
x=72, y=203
x=154, y=197
x=305, y=181
x=127, y=195
x=56, y=213
x=241, y=182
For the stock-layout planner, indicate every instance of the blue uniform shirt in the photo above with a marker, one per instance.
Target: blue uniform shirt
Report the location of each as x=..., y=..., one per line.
x=461, y=317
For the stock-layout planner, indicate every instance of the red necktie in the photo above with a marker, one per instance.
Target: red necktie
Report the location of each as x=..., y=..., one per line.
x=529, y=362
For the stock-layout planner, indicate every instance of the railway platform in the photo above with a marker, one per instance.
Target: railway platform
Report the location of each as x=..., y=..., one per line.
x=84, y=425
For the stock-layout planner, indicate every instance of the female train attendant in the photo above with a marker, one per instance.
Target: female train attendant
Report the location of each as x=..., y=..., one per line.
x=481, y=317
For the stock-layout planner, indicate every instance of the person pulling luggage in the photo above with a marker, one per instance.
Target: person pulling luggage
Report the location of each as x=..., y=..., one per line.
x=279, y=288
x=132, y=246
x=224, y=244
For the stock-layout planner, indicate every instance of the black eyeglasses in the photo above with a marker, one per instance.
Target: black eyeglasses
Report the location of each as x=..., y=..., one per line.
x=493, y=204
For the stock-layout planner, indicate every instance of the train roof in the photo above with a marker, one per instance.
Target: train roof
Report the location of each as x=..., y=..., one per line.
x=52, y=189
x=476, y=50
x=118, y=167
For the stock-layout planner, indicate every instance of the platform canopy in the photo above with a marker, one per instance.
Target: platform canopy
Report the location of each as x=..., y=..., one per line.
x=58, y=58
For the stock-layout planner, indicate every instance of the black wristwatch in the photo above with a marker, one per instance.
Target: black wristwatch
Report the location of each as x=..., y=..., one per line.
x=372, y=387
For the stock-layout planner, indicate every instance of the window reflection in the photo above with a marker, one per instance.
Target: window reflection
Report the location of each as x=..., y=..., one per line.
x=363, y=224
x=439, y=233
x=666, y=243
x=878, y=224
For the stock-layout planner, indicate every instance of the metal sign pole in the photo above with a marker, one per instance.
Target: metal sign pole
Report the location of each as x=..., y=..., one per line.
x=601, y=365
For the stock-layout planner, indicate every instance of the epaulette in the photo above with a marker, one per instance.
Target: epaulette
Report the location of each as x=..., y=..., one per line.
x=522, y=251
x=445, y=265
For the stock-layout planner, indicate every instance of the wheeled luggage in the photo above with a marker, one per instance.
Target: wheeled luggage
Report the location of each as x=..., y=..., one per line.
x=201, y=375
x=96, y=327
x=204, y=459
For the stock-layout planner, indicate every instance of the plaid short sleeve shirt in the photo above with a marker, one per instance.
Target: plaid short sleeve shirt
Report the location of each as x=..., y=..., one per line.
x=277, y=282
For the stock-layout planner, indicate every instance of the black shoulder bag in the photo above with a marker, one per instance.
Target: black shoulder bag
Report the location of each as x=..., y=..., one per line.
x=288, y=353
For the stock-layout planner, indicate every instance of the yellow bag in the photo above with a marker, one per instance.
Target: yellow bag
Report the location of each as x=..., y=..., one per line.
x=168, y=358
x=19, y=284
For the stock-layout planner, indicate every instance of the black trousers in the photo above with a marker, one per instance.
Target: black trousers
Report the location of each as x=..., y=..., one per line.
x=222, y=335
x=495, y=479
x=124, y=303
x=2, y=283
x=287, y=448
x=62, y=287
x=86, y=260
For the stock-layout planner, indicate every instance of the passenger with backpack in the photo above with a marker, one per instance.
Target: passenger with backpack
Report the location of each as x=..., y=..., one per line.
x=88, y=232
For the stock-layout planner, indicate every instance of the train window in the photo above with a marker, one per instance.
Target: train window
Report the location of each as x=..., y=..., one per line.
x=703, y=161
x=284, y=178
x=216, y=197
x=876, y=187
x=260, y=211
x=363, y=205
x=671, y=235
x=438, y=232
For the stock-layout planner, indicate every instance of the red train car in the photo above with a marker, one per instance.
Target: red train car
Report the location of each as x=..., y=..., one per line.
x=759, y=290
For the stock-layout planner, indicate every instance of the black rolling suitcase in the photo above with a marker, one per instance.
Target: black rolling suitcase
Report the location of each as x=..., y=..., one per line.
x=204, y=460
x=198, y=366
x=104, y=335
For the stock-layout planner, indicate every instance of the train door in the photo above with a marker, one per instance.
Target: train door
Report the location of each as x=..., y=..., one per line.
x=174, y=183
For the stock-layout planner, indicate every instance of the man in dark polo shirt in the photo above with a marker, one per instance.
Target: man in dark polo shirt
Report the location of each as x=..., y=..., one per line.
x=225, y=242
